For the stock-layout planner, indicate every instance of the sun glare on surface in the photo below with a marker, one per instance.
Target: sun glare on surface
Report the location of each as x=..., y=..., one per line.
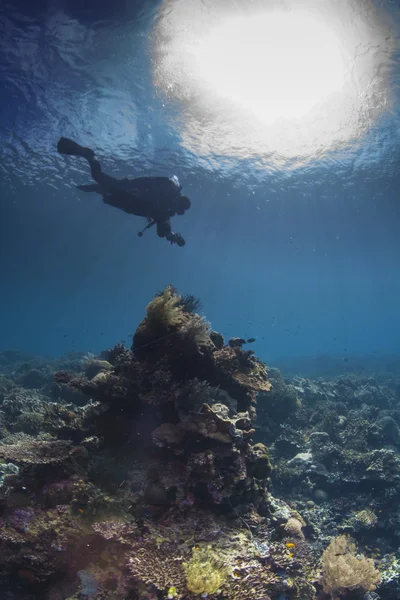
x=258, y=79
x=277, y=65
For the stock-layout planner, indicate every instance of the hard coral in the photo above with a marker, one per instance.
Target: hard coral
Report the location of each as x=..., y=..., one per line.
x=37, y=453
x=159, y=567
x=294, y=525
x=93, y=366
x=190, y=396
x=365, y=518
x=260, y=465
x=42, y=460
x=242, y=375
x=44, y=543
x=204, y=572
x=183, y=343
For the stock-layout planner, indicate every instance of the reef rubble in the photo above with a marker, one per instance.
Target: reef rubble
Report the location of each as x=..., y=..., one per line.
x=184, y=468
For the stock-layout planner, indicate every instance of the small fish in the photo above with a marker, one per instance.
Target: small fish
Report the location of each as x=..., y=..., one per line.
x=251, y=340
x=236, y=342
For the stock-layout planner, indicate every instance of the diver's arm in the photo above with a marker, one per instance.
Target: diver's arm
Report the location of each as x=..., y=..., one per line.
x=164, y=230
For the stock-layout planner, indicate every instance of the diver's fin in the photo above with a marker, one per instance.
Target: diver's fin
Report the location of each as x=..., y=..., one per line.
x=67, y=146
x=91, y=187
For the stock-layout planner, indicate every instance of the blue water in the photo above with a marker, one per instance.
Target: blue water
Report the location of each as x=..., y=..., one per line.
x=302, y=255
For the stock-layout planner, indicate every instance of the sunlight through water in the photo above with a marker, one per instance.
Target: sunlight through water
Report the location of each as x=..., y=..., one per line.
x=277, y=66
x=288, y=81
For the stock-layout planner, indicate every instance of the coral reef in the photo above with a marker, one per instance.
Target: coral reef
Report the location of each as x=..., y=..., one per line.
x=205, y=398
x=184, y=342
x=183, y=468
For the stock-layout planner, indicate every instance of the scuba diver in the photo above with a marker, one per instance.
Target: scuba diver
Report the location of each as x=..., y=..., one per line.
x=156, y=198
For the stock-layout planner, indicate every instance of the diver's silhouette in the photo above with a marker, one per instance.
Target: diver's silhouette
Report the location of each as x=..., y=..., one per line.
x=156, y=198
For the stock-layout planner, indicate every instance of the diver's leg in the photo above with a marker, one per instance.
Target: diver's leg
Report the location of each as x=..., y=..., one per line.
x=71, y=148
x=107, y=182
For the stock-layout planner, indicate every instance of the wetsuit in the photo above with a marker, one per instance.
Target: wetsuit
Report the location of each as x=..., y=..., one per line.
x=156, y=198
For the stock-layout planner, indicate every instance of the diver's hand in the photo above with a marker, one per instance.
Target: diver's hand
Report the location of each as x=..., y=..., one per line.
x=175, y=238
x=179, y=240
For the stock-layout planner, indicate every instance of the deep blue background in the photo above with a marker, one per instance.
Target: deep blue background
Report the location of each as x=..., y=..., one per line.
x=309, y=266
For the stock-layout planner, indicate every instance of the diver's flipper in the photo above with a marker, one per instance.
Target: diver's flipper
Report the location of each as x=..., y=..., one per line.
x=67, y=146
x=91, y=187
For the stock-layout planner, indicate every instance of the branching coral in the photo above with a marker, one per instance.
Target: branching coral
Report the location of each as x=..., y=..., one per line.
x=231, y=562
x=343, y=571
x=158, y=567
x=19, y=401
